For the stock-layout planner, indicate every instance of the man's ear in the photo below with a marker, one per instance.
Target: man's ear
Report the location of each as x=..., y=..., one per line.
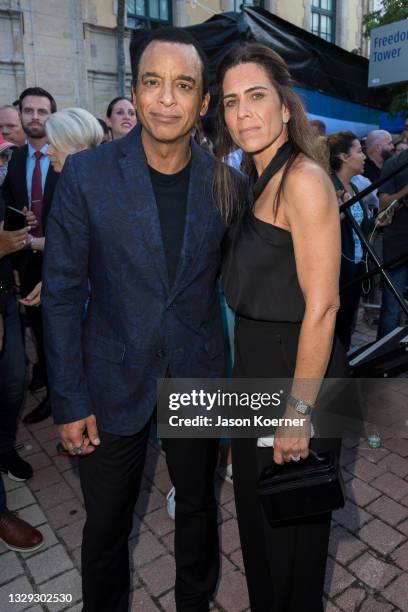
x=205, y=104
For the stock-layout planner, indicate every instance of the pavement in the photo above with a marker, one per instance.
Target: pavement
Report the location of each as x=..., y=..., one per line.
x=368, y=554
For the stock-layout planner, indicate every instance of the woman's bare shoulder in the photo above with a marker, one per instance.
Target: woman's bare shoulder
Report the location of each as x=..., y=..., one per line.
x=305, y=166
x=306, y=174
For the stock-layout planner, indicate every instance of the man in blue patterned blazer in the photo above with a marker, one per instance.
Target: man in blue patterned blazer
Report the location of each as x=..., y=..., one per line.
x=134, y=226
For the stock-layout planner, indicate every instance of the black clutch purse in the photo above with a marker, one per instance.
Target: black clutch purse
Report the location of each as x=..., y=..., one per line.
x=299, y=489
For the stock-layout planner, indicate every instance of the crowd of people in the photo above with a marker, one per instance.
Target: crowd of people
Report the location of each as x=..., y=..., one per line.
x=35, y=142
x=113, y=234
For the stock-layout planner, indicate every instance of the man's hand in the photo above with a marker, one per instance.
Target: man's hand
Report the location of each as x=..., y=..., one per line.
x=10, y=242
x=1, y=332
x=31, y=219
x=387, y=218
x=73, y=436
x=33, y=298
x=387, y=198
x=403, y=192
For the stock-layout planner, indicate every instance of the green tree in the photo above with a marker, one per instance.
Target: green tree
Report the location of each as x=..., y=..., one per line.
x=391, y=10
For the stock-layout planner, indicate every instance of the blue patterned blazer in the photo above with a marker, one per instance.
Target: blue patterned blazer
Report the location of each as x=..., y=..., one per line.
x=104, y=240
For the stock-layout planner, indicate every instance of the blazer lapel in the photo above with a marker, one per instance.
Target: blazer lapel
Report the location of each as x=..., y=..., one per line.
x=198, y=214
x=137, y=184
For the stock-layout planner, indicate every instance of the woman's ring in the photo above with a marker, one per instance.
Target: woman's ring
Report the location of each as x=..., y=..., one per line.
x=24, y=242
x=77, y=450
x=295, y=457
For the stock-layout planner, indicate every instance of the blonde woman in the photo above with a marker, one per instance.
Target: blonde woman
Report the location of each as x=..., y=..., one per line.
x=68, y=131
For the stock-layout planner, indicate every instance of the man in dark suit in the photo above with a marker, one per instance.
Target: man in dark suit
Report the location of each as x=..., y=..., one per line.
x=134, y=229
x=30, y=184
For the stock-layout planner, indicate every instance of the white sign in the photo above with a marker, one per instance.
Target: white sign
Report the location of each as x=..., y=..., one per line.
x=389, y=54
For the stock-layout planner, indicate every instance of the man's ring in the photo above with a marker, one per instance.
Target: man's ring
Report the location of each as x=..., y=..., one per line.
x=295, y=457
x=77, y=450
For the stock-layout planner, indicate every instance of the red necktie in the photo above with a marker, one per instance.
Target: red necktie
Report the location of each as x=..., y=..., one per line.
x=37, y=195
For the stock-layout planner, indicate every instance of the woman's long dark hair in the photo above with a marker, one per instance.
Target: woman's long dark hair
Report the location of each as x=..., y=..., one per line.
x=112, y=103
x=300, y=133
x=340, y=142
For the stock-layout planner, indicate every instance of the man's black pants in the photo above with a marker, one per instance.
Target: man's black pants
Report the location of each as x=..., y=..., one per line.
x=31, y=274
x=110, y=480
x=34, y=317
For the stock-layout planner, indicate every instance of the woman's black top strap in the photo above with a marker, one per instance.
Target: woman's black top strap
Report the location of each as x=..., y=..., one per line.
x=272, y=168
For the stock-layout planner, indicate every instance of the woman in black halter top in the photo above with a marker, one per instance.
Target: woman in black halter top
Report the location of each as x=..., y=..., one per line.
x=280, y=275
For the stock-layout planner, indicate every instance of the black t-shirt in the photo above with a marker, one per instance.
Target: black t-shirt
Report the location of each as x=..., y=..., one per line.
x=396, y=234
x=171, y=193
x=371, y=170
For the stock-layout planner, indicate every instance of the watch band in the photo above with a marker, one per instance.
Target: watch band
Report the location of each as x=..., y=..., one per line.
x=299, y=405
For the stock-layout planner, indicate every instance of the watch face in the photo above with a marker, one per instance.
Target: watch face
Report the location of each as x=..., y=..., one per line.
x=299, y=405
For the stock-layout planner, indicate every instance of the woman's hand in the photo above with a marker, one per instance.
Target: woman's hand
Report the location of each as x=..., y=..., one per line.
x=340, y=194
x=33, y=298
x=30, y=218
x=37, y=244
x=292, y=441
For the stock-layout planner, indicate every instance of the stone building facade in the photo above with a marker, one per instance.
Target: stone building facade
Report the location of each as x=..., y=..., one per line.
x=69, y=46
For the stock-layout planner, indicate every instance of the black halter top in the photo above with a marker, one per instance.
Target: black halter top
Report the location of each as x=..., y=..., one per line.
x=259, y=269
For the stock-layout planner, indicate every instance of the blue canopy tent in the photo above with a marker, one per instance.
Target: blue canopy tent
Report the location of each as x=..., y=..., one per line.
x=338, y=114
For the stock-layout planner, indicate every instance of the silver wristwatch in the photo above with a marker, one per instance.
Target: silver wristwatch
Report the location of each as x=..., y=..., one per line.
x=299, y=405
x=30, y=240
